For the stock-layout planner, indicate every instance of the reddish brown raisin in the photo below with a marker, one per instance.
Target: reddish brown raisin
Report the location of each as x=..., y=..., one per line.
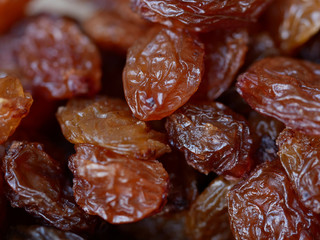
x=265, y=206
x=37, y=183
x=286, y=89
x=109, y=123
x=212, y=138
x=115, y=187
x=208, y=217
x=299, y=155
x=201, y=15
x=58, y=60
x=162, y=72
x=14, y=105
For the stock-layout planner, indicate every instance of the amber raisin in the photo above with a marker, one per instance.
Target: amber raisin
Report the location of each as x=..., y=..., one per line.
x=265, y=206
x=109, y=123
x=163, y=70
x=212, y=138
x=286, y=89
x=115, y=187
x=58, y=60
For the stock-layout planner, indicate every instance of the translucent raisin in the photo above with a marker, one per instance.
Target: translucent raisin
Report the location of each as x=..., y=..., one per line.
x=14, y=105
x=265, y=206
x=37, y=184
x=299, y=155
x=58, y=60
x=109, y=123
x=199, y=15
x=212, y=138
x=117, y=188
x=208, y=217
x=162, y=72
x=286, y=89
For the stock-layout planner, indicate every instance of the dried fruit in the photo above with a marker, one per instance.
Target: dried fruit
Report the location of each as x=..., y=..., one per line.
x=299, y=155
x=212, y=138
x=37, y=183
x=117, y=188
x=199, y=15
x=265, y=206
x=286, y=89
x=58, y=60
x=14, y=105
x=162, y=72
x=208, y=217
x=109, y=123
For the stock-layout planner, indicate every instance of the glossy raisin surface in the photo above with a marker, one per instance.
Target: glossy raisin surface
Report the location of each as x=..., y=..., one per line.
x=37, y=184
x=286, y=89
x=212, y=137
x=14, y=105
x=163, y=70
x=109, y=123
x=115, y=187
x=299, y=155
x=58, y=60
x=208, y=217
x=199, y=15
x=265, y=206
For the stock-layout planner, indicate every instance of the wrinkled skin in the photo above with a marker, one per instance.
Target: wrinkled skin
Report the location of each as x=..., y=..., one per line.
x=208, y=216
x=201, y=15
x=265, y=206
x=109, y=123
x=300, y=157
x=212, y=138
x=37, y=184
x=286, y=89
x=14, y=105
x=225, y=54
x=115, y=187
x=58, y=60
x=40, y=233
x=293, y=22
x=163, y=70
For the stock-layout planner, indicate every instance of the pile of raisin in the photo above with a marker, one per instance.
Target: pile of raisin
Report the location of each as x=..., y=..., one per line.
x=159, y=119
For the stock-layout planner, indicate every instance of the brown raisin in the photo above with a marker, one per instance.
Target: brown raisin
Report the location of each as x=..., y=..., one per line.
x=163, y=70
x=117, y=188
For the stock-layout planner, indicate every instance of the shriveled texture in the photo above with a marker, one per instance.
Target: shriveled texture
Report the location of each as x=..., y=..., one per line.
x=37, y=184
x=117, y=188
x=293, y=22
x=201, y=15
x=14, y=105
x=58, y=60
x=286, y=89
x=265, y=206
x=109, y=123
x=212, y=138
x=208, y=216
x=163, y=70
x=300, y=157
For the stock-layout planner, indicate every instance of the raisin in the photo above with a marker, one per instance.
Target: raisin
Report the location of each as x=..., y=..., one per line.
x=212, y=138
x=265, y=206
x=36, y=232
x=109, y=123
x=37, y=184
x=117, y=188
x=293, y=22
x=163, y=70
x=58, y=60
x=14, y=105
x=199, y=15
x=299, y=155
x=286, y=89
x=208, y=217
